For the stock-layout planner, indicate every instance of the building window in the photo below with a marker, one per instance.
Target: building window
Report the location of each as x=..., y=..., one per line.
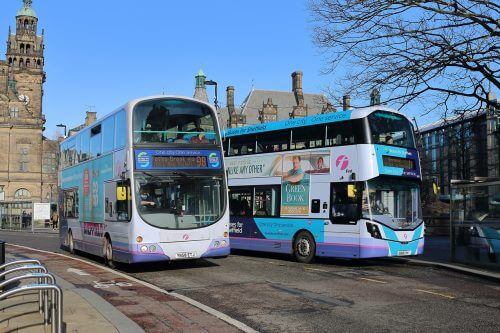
x=23, y=166
x=23, y=159
x=22, y=193
x=49, y=163
x=14, y=112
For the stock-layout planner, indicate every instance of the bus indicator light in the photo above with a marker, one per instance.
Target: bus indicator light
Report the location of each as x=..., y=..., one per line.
x=139, y=239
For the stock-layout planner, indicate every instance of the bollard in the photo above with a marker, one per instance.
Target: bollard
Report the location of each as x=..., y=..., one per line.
x=2, y=258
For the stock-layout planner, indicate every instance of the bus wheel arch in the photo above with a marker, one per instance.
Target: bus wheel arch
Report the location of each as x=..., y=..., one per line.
x=71, y=242
x=107, y=251
x=304, y=246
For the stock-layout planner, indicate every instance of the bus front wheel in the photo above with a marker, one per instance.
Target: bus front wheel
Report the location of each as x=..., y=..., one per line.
x=304, y=247
x=108, y=253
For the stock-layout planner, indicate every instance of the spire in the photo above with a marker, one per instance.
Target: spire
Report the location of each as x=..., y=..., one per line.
x=200, y=92
x=26, y=10
x=200, y=79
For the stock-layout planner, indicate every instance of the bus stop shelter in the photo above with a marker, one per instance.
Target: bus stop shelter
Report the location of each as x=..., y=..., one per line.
x=475, y=221
x=25, y=215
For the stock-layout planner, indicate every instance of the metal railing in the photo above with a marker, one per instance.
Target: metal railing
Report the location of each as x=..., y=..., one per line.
x=46, y=283
x=57, y=324
x=43, y=305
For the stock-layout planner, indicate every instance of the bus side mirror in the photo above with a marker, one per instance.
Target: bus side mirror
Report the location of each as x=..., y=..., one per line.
x=121, y=193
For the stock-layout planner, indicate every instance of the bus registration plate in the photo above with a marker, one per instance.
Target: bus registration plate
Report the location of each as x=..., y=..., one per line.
x=185, y=254
x=404, y=253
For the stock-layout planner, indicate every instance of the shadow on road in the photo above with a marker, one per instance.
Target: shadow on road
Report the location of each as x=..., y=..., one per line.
x=348, y=263
x=149, y=267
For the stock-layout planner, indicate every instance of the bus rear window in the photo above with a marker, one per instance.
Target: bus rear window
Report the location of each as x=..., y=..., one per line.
x=390, y=129
x=174, y=121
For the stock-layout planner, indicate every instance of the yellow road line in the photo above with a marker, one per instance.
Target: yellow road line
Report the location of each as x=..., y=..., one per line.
x=434, y=293
x=373, y=280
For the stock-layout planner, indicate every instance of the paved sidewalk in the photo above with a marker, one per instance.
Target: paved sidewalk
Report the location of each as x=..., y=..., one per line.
x=437, y=253
x=97, y=300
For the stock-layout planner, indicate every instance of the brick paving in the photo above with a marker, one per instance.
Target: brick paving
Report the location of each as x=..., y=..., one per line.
x=151, y=309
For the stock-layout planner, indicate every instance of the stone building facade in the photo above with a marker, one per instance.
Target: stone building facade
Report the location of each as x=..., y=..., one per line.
x=28, y=161
x=261, y=106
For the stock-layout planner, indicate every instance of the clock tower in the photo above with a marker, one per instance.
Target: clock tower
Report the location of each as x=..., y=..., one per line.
x=28, y=160
x=25, y=75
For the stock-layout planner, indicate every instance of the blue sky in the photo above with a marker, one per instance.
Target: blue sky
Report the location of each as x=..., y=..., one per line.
x=104, y=53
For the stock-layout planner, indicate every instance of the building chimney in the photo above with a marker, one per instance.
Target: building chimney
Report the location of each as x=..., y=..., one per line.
x=230, y=100
x=90, y=118
x=297, y=87
x=346, y=102
x=230, y=105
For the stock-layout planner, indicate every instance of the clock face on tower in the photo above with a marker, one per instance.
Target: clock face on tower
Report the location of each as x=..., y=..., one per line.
x=24, y=98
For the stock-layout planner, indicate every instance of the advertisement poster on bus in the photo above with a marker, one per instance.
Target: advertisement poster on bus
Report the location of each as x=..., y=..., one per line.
x=95, y=173
x=89, y=177
x=318, y=162
x=295, y=181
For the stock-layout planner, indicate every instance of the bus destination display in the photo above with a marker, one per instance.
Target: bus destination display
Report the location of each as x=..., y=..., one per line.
x=398, y=162
x=180, y=162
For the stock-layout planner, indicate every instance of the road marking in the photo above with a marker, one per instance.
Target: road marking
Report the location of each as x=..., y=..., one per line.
x=77, y=271
x=316, y=269
x=222, y=316
x=373, y=280
x=434, y=293
x=107, y=284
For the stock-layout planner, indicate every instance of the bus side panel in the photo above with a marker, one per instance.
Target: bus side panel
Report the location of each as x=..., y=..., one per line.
x=241, y=230
x=272, y=234
x=89, y=178
x=92, y=213
x=341, y=241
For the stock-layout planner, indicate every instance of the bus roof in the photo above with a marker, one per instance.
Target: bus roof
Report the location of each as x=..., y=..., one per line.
x=307, y=121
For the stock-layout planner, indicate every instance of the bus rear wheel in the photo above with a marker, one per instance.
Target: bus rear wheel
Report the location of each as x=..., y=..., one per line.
x=108, y=253
x=304, y=247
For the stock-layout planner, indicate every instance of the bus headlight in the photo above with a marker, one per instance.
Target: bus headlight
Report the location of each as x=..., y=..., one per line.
x=152, y=248
x=144, y=248
x=223, y=243
x=216, y=244
x=373, y=230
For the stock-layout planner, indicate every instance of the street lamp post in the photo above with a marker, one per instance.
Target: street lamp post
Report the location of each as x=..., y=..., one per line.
x=62, y=125
x=213, y=83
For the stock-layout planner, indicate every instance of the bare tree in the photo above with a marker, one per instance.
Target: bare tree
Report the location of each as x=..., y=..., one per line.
x=442, y=53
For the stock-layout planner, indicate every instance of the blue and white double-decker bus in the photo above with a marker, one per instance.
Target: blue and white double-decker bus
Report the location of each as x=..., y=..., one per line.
x=343, y=184
x=146, y=183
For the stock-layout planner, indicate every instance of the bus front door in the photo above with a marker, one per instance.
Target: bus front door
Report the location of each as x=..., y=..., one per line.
x=342, y=232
